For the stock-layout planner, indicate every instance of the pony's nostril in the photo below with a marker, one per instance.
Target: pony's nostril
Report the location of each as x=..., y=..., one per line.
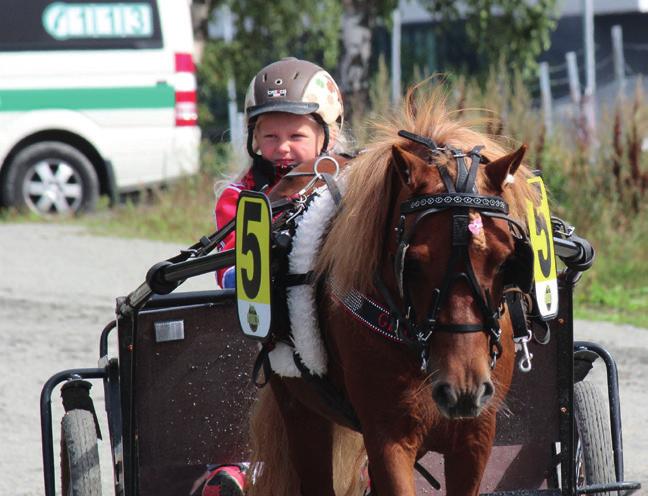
x=488, y=391
x=444, y=395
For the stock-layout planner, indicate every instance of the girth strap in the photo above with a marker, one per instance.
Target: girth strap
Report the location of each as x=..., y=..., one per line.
x=333, y=398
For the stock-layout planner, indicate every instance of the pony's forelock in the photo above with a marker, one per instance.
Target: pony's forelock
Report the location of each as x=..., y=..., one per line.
x=352, y=250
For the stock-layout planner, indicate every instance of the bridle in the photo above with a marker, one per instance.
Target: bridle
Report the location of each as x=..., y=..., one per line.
x=460, y=197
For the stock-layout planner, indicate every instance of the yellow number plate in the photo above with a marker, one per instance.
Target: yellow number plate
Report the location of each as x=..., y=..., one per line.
x=253, y=226
x=544, y=265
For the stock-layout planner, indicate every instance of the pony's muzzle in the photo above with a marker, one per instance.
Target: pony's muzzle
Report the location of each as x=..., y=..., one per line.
x=456, y=403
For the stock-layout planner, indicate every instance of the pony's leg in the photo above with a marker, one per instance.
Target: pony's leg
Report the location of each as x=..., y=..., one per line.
x=464, y=469
x=463, y=472
x=390, y=469
x=310, y=438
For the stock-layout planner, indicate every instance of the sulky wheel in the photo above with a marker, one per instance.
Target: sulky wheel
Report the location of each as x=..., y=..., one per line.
x=594, y=454
x=80, y=472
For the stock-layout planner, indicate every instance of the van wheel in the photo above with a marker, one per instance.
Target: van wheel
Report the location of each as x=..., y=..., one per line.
x=51, y=178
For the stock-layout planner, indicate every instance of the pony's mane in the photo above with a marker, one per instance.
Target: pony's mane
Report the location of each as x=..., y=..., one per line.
x=351, y=252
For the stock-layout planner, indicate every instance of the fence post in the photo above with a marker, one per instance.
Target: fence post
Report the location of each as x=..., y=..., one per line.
x=396, y=57
x=619, y=60
x=545, y=91
x=589, y=103
x=574, y=81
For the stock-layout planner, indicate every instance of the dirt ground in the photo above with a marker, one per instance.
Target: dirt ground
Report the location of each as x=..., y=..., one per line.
x=58, y=285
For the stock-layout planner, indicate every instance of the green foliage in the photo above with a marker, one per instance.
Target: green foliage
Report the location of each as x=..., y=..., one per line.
x=265, y=32
x=515, y=31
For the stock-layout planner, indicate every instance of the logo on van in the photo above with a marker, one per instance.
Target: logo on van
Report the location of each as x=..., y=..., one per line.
x=64, y=21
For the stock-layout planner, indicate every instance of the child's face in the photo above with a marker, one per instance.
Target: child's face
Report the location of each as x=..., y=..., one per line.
x=286, y=139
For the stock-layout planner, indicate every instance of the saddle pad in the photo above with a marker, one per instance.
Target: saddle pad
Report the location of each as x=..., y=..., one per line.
x=302, y=309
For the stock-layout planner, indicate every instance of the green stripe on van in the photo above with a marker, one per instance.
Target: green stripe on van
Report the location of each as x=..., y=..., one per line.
x=150, y=97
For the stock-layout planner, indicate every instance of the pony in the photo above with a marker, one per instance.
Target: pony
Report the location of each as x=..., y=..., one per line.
x=434, y=375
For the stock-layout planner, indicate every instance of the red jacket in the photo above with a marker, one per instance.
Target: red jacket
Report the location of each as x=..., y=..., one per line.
x=226, y=208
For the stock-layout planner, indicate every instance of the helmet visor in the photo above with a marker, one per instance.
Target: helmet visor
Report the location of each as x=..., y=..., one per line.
x=299, y=108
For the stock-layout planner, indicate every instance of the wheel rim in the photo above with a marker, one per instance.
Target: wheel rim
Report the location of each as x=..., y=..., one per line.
x=52, y=187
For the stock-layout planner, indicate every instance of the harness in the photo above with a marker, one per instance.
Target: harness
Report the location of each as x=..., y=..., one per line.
x=388, y=321
x=460, y=197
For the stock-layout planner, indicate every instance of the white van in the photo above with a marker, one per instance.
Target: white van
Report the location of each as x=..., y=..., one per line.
x=96, y=97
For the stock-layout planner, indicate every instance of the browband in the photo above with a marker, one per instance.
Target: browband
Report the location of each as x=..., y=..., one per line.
x=446, y=200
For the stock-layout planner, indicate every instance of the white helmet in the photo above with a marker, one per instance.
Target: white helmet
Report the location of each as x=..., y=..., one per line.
x=297, y=87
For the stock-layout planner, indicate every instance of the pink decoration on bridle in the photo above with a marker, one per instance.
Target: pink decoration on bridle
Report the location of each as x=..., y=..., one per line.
x=475, y=226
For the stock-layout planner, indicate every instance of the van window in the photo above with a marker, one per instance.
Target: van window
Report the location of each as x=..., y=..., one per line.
x=79, y=25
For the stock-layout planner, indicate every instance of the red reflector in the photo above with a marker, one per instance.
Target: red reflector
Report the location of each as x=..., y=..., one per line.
x=184, y=62
x=185, y=96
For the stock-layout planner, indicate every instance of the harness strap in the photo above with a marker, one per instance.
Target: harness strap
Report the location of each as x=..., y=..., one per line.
x=516, y=306
x=332, y=187
x=333, y=398
x=289, y=280
x=462, y=172
x=447, y=180
x=427, y=475
x=370, y=313
x=262, y=362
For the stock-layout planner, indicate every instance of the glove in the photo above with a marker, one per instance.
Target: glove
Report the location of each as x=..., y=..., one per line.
x=229, y=278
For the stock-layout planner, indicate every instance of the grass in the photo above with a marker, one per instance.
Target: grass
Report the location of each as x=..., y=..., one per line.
x=180, y=213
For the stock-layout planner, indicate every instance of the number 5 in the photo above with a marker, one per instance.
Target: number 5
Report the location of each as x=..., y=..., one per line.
x=250, y=243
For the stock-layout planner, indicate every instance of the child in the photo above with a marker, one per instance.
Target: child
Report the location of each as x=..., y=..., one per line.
x=294, y=113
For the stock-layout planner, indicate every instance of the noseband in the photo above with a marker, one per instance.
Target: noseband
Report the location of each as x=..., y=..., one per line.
x=460, y=196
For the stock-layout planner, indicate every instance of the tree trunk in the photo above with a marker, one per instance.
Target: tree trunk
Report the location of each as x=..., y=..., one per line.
x=357, y=23
x=200, y=13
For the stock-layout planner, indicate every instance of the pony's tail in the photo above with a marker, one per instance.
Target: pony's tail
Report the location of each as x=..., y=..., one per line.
x=271, y=471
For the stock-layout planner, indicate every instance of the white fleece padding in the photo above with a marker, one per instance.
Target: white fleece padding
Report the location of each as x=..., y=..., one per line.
x=282, y=361
x=302, y=308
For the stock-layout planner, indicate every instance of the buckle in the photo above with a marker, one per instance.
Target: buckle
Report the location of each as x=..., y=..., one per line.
x=524, y=364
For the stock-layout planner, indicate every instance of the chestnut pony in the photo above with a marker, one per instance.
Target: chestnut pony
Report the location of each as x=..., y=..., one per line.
x=437, y=370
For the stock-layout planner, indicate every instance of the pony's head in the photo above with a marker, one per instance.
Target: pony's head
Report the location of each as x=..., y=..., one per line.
x=437, y=221
x=453, y=242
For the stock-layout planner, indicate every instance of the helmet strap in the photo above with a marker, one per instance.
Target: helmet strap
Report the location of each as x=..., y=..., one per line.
x=327, y=137
x=327, y=133
x=250, y=139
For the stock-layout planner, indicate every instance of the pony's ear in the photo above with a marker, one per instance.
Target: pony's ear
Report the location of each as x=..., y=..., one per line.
x=410, y=167
x=498, y=170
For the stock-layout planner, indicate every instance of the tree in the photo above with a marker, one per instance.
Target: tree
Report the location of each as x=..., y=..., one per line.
x=264, y=32
x=513, y=30
x=358, y=22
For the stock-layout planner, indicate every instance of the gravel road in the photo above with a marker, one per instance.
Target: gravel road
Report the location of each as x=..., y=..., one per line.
x=58, y=285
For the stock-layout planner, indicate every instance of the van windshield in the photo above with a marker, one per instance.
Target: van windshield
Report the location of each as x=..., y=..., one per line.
x=79, y=25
